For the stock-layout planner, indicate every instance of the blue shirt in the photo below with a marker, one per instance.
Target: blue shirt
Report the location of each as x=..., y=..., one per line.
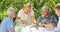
x=51, y=18
x=6, y=25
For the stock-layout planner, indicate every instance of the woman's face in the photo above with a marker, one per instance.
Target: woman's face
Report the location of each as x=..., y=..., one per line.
x=57, y=12
x=27, y=10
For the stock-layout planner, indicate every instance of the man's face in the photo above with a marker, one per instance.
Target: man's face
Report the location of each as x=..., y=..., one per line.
x=13, y=14
x=57, y=12
x=45, y=12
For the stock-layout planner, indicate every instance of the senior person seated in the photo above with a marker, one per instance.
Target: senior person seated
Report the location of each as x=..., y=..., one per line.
x=26, y=14
x=46, y=17
x=7, y=22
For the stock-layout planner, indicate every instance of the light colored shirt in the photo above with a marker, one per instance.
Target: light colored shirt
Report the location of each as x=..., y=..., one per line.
x=57, y=29
x=58, y=25
x=6, y=25
x=26, y=17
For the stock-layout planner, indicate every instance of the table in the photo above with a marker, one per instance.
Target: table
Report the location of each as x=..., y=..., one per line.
x=33, y=29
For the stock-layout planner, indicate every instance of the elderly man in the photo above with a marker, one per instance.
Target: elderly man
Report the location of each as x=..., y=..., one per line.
x=7, y=23
x=46, y=17
x=26, y=14
x=57, y=11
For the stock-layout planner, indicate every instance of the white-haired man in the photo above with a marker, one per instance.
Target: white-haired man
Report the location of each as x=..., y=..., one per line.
x=7, y=23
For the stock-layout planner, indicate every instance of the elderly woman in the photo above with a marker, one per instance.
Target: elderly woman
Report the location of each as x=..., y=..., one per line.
x=7, y=23
x=46, y=17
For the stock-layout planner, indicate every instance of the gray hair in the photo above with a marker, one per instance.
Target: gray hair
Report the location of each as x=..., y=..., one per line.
x=9, y=11
x=45, y=7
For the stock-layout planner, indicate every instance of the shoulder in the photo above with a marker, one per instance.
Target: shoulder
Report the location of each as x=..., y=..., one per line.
x=52, y=16
x=31, y=11
x=8, y=19
x=5, y=20
x=42, y=16
x=21, y=10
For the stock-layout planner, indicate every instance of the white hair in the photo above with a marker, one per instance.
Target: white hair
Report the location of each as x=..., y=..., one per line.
x=9, y=11
x=45, y=7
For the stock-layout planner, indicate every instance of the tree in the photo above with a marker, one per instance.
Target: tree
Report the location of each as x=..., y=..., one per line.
x=18, y=4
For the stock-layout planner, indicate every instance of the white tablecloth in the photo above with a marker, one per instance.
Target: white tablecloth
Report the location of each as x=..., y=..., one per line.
x=33, y=29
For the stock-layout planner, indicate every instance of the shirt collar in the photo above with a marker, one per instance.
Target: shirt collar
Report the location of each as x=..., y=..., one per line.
x=10, y=18
x=59, y=18
x=47, y=17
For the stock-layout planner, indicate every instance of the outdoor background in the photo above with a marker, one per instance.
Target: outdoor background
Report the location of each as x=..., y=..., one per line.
x=18, y=4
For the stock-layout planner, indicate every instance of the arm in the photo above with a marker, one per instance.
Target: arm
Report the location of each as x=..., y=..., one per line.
x=40, y=19
x=33, y=19
x=11, y=31
x=19, y=17
x=19, y=14
x=10, y=26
